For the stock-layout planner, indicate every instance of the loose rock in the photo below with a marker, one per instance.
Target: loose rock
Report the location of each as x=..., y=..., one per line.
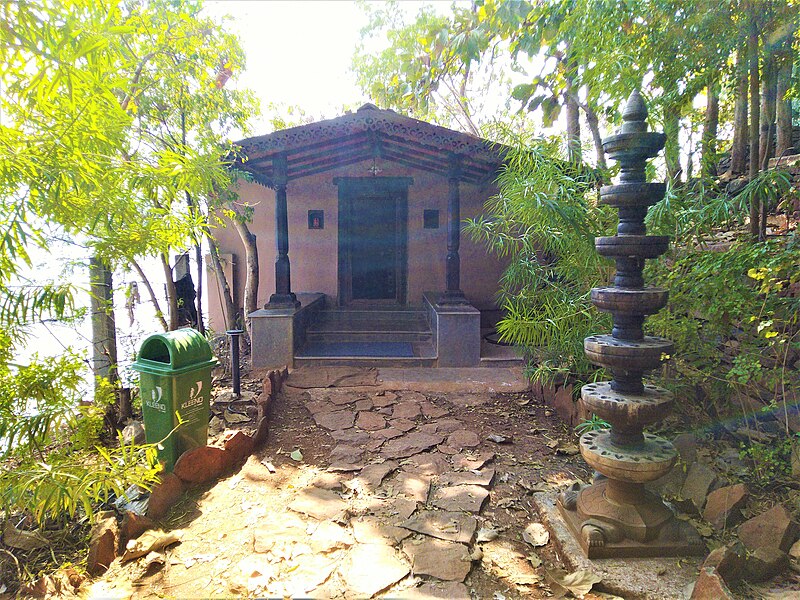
x=449, y=561
x=102, y=545
x=699, y=481
x=370, y=421
x=411, y=444
x=444, y=525
x=728, y=561
x=765, y=563
x=317, y=503
x=468, y=498
x=164, y=496
x=723, y=506
x=339, y=419
x=771, y=529
x=371, y=568
x=710, y=586
x=202, y=464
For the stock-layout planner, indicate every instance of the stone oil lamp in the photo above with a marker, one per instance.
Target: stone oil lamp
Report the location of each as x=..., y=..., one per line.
x=617, y=516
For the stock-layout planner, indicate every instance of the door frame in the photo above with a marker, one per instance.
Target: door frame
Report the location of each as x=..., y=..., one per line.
x=353, y=187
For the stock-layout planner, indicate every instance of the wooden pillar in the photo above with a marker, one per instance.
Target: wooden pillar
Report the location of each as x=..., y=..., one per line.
x=283, y=296
x=453, y=293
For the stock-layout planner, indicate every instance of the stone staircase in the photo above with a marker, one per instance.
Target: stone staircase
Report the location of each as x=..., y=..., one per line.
x=389, y=337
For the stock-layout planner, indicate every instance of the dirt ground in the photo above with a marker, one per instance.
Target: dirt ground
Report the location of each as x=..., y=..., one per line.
x=310, y=515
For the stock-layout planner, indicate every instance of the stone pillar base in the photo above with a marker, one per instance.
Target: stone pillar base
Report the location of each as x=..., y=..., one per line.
x=456, y=331
x=272, y=337
x=278, y=301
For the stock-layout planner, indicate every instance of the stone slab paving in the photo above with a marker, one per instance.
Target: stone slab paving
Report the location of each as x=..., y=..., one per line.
x=398, y=508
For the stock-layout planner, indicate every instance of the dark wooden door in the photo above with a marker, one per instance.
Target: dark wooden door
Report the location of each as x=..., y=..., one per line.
x=373, y=248
x=373, y=260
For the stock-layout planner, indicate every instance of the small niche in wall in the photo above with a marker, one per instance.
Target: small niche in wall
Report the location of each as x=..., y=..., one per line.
x=430, y=219
x=316, y=219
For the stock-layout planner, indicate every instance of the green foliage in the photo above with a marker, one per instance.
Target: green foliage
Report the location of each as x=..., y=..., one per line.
x=544, y=221
x=593, y=424
x=114, y=123
x=38, y=399
x=440, y=66
x=59, y=488
x=732, y=312
x=770, y=463
x=52, y=462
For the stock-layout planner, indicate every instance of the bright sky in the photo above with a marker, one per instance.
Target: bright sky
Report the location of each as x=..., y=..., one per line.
x=298, y=53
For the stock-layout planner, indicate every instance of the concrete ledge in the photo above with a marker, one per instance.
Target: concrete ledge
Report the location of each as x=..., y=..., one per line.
x=276, y=332
x=472, y=380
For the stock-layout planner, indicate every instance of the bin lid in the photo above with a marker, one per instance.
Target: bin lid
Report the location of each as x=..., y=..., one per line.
x=180, y=350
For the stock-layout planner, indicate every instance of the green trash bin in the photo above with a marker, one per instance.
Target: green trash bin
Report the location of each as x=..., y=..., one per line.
x=175, y=387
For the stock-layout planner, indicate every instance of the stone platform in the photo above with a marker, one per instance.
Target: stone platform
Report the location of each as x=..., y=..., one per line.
x=630, y=578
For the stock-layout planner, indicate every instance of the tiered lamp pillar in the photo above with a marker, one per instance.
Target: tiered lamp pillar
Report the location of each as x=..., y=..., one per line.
x=617, y=516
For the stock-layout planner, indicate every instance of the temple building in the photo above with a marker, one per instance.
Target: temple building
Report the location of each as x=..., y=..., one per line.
x=358, y=228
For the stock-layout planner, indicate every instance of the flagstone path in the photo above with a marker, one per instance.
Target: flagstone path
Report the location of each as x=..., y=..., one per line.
x=397, y=494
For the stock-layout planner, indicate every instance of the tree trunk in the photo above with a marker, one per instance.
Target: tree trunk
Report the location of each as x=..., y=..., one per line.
x=708, y=158
x=198, y=254
x=104, y=330
x=153, y=297
x=672, y=148
x=251, y=269
x=739, y=149
x=574, y=153
x=229, y=311
x=755, y=119
x=768, y=94
x=594, y=127
x=783, y=107
x=172, y=295
x=104, y=339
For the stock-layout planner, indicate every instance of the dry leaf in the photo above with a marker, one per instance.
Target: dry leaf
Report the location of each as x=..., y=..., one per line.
x=534, y=559
x=150, y=541
x=536, y=535
x=234, y=417
x=508, y=503
x=23, y=540
x=568, y=449
x=486, y=535
x=579, y=583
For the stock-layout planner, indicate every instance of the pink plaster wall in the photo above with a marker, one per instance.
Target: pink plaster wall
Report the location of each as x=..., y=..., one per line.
x=313, y=253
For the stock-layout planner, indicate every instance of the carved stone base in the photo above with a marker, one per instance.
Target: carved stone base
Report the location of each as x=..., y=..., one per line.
x=282, y=301
x=607, y=530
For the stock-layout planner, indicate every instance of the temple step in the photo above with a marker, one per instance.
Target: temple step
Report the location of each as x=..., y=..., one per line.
x=374, y=337
x=370, y=326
